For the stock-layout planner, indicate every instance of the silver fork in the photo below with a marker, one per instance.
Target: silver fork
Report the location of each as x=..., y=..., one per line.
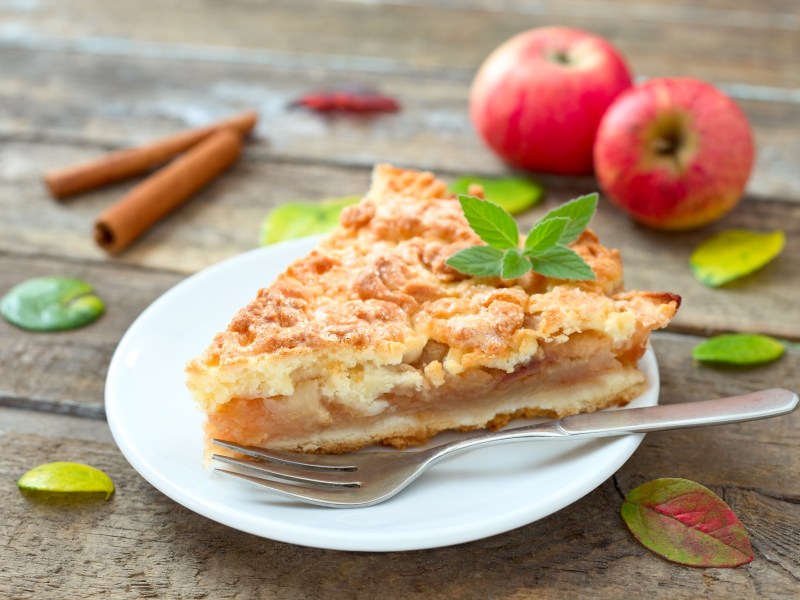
x=363, y=479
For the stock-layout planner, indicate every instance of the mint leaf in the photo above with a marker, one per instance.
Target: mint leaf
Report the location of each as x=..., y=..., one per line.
x=560, y=262
x=579, y=212
x=478, y=261
x=545, y=234
x=545, y=251
x=492, y=224
x=515, y=264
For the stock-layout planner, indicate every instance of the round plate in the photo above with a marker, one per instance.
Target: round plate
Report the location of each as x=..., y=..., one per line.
x=484, y=492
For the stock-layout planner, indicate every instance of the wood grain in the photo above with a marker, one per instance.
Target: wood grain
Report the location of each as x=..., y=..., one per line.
x=65, y=371
x=224, y=220
x=141, y=544
x=414, y=36
x=78, y=103
x=84, y=77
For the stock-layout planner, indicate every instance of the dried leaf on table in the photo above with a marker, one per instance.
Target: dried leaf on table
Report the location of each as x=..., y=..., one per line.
x=686, y=523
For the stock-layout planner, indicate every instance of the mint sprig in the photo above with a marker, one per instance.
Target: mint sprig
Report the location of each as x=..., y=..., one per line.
x=545, y=250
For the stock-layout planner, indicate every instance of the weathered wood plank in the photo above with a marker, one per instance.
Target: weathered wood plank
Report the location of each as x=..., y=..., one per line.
x=55, y=97
x=414, y=35
x=84, y=76
x=224, y=220
x=65, y=371
x=141, y=544
x=779, y=14
x=710, y=449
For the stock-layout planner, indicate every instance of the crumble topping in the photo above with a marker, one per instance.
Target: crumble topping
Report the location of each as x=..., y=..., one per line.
x=378, y=289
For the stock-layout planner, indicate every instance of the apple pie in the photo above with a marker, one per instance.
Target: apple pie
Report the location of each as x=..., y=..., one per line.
x=372, y=339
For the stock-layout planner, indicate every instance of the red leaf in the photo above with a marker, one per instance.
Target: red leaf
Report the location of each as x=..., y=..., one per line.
x=357, y=101
x=686, y=523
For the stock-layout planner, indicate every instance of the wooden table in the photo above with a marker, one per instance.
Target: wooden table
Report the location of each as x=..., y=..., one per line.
x=79, y=78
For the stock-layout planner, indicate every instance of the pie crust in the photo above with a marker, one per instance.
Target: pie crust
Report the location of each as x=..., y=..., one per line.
x=372, y=339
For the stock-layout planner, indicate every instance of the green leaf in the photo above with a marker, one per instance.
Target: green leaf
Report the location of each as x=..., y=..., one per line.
x=478, y=261
x=492, y=224
x=560, y=262
x=545, y=234
x=734, y=253
x=299, y=219
x=579, y=212
x=515, y=264
x=515, y=194
x=686, y=523
x=66, y=477
x=51, y=304
x=739, y=349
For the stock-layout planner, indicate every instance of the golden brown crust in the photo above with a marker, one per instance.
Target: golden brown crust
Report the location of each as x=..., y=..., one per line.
x=382, y=276
x=374, y=318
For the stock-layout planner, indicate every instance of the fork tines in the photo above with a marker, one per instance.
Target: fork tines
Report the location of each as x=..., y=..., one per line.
x=310, y=462
x=286, y=466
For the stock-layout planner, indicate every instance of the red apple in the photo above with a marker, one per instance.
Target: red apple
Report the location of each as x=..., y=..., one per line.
x=674, y=153
x=537, y=99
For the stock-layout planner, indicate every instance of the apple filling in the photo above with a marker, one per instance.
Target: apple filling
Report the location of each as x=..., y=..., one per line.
x=372, y=338
x=579, y=375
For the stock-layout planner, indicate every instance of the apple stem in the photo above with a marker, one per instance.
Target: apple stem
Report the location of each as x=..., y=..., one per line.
x=560, y=57
x=666, y=146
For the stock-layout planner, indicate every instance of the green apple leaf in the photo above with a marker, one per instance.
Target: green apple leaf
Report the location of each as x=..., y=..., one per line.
x=299, y=219
x=686, y=523
x=66, y=478
x=478, y=261
x=51, y=304
x=734, y=253
x=492, y=223
x=739, y=349
x=515, y=194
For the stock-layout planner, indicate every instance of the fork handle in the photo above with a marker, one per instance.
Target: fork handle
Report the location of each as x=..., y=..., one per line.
x=736, y=409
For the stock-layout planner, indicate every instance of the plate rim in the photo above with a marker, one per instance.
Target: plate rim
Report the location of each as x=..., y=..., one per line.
x=309, y=535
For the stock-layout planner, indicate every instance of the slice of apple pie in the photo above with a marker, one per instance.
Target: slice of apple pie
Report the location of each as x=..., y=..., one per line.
x=373, y=339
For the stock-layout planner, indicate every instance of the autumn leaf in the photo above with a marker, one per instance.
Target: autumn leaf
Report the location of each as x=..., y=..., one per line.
x=51, y=304
x=741, y=349
x=351, y=99
x=515, y=194
x=298, y=219
x=686, y=523
x=733, y=254
x=66, y=478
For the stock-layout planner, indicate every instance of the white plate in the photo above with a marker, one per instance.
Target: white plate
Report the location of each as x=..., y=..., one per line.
x=475, y=495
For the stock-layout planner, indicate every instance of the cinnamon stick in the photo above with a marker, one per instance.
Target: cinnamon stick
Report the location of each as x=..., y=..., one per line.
x=134, y=161
x=161, y=193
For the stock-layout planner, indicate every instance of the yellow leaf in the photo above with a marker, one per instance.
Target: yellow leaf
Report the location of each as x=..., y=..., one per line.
x=515, y=194
x=734, y=253
x=66, y=477
x=298, y=219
